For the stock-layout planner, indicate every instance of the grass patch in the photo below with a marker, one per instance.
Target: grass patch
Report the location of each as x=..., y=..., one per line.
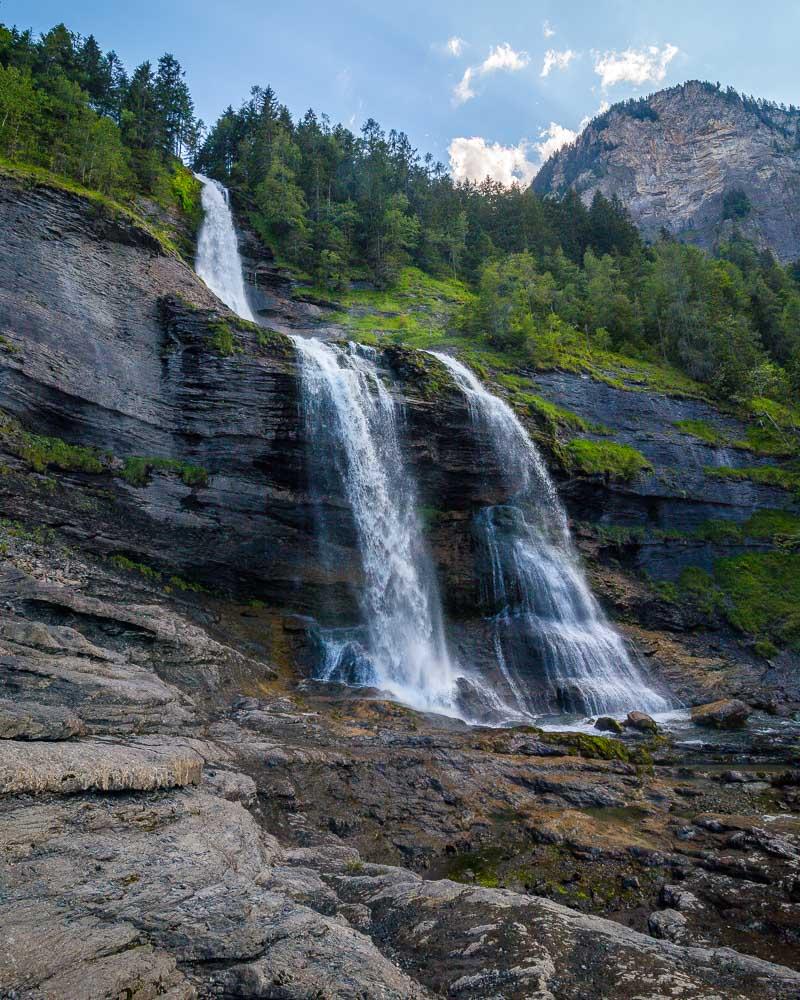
x=555, y=417
x=156, y=576
x=763, y=592
x=137, y=470
x=223, y=339
x=41, y=452
x=606, y=458
x=703, y=431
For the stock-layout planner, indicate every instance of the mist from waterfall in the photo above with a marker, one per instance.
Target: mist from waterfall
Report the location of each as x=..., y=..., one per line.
x=554, y=646
x=218, y=261
x=353, y=421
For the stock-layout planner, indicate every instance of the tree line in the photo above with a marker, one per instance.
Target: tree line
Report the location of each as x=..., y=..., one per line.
x=340, y=206
x=69, y=107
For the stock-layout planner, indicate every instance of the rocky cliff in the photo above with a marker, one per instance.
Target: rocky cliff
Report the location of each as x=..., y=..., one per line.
x=184, y=813
x=694, y=160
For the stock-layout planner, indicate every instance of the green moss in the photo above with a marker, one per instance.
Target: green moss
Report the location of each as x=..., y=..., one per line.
x=772, y=524
x=223, y=339
x=138, y=469
x=697, y=588
x=20, y=532
x=618, y=461
x=763, y=592
x=156, y=576
x=702, y=430
x=129, y=566
x=187, y=193
x=556, y=417
x=41, y=452
x=765, y=648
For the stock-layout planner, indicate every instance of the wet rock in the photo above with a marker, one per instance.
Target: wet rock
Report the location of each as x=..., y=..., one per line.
x=727, y=713
x=608, y=725
x=641, y=722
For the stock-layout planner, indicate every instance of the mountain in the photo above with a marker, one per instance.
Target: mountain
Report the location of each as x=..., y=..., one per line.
x=696, y=160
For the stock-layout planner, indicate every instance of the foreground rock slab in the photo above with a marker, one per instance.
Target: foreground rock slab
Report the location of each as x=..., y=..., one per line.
x=99, y=765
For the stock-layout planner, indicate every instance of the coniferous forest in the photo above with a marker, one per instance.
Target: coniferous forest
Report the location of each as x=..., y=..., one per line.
x=547, y=273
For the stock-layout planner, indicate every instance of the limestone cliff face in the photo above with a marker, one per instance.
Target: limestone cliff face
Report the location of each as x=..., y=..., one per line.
x=673, y=157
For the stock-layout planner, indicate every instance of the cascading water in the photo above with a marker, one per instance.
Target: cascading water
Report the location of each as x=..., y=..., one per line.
x=545, y=612
x=545, y=615
x=218, y=262
x=352, y=421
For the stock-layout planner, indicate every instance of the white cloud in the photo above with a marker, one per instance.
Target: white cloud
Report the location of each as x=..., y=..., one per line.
x=475, y=159
x=556, y=60
x=552, y=139
x=636, y=66
x=604, y=106
x=548, y=30
x=455, y=45
x=501, y=57
x=463, y=89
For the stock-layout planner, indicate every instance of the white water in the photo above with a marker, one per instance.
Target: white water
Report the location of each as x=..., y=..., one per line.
x=352, y=420
x=218, y=262
x=550, y=631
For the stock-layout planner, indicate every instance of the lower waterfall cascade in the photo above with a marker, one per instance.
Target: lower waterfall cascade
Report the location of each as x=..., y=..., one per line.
x=544, y=613
x=554, y=649
x=352, y=420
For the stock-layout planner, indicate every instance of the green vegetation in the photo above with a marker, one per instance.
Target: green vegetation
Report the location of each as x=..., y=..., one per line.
x=71, y=118
x=757, y=592
x=137, y=470
x=702, y=430
x=606, y=458
x=763, y=593
x=42, y=453
x=155, y=576
x=223, y=339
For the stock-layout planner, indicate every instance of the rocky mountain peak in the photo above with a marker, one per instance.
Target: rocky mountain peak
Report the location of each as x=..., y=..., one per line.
x=697, y=160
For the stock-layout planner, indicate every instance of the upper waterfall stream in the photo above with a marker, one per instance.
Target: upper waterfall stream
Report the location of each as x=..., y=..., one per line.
x=218, y=262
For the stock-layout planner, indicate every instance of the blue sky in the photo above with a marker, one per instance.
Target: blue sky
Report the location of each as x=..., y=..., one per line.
x=471, y=82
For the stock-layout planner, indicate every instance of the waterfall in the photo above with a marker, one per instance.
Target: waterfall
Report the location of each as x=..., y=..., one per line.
x=352, y=422
x=555, y=649
x=218, y=262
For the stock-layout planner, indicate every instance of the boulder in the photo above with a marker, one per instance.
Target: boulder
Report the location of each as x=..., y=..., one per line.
x=668, y=925
x=608, y=725
x=727, y=713
x=641, y=722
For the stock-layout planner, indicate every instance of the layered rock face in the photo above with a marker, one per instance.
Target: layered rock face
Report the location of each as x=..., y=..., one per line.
x=111, y=345
x=674, y=157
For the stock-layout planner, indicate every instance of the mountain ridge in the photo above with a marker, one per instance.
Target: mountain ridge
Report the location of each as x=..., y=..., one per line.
x=696, y=160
